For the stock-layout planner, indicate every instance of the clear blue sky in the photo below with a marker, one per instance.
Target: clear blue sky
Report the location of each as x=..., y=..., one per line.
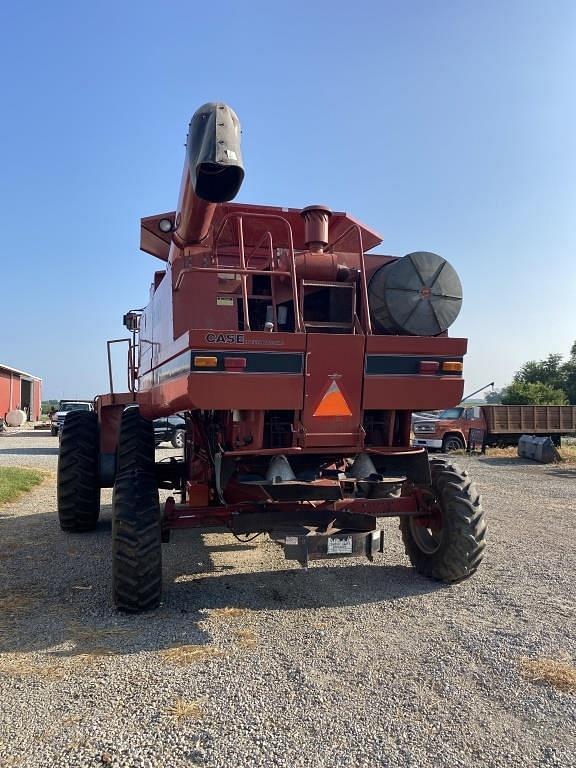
x=447, y=125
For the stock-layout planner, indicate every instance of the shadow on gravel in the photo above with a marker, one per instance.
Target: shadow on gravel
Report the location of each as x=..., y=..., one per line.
x=569, y=472
x=505, y=461
x=27, y=433
x=30, y=451
x=556, y=470
x=55, y=589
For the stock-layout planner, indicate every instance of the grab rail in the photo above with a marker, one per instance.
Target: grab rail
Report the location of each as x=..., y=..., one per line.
x=363, y=281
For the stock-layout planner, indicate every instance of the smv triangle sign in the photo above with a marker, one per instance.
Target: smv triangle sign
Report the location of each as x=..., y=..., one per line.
x=333, y=403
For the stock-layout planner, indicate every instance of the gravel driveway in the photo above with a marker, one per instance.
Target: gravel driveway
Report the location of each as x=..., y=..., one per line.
x=251, y=661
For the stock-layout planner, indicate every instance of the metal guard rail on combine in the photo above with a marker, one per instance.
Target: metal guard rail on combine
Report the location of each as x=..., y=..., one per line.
x=132, y=364
x=364, y=282
x=244, y=269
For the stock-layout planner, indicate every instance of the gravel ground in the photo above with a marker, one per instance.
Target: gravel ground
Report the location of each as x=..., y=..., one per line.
x=352, y=664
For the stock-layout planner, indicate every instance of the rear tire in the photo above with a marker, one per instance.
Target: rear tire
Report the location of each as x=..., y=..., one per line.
x=452, y=443
x=136, y=521
x=178, y=438
x=78, y=476
x=453, y=551
x=135, y=443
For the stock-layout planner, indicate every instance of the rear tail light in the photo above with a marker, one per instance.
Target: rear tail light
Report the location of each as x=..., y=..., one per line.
x=234, y=363
x=429, y=366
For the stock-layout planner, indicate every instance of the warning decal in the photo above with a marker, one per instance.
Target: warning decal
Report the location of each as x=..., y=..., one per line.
x=333, y=403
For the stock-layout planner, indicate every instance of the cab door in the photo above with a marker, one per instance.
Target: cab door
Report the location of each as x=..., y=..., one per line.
x=475, y=426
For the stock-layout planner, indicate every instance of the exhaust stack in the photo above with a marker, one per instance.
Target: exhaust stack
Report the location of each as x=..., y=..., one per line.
x=316, y=220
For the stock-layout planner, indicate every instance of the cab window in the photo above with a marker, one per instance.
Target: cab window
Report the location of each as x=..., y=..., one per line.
x=452, y=413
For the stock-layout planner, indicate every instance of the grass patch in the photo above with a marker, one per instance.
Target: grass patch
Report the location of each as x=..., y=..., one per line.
x=559, y=674
x=189, y=654
x=228, y=612
x=185, y=710
x=51, y=666
x=246, y=638
x=567, y=453
x=15, y=481
x=23, y=665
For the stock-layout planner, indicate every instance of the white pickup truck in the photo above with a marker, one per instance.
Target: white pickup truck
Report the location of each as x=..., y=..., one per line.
x=64, y=407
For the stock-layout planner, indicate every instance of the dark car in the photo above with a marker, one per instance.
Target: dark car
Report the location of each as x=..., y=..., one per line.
x=170, y=429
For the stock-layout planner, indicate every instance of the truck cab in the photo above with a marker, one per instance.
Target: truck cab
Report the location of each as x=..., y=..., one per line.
x=64, y=408
x=452, y=430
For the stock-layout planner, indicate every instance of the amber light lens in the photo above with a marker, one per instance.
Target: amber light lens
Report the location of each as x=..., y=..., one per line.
x=205, y=362
x=453, y=367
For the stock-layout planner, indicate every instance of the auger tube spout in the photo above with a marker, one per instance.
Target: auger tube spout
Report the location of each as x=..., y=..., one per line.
x=213, y=171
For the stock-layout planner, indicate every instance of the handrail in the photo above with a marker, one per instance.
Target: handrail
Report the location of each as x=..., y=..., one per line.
x=292, y=262
x=267, y=235
x=131, y=367
x=243, y=274
x=188, y=270
x=363, y=281
x=245, y=269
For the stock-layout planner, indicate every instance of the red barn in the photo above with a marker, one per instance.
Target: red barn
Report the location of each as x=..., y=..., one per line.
x=19, y=389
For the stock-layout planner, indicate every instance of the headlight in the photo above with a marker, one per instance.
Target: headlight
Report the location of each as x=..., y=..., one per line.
x=424, y=428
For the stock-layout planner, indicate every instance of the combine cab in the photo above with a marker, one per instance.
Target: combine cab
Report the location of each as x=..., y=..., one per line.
x=297, y=358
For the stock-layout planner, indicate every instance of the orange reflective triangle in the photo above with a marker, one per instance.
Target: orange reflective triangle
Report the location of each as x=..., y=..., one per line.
x=333, y=403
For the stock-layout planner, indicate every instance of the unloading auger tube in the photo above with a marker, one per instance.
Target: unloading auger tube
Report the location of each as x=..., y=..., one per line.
x=295, y=354
x=213, y=171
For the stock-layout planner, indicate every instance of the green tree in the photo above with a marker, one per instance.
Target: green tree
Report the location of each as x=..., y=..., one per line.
x=494, y=397
x=569, y=369
x=533, y=393
x=549, y=371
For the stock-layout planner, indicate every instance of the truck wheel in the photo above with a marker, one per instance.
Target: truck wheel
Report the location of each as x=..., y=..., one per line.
x=452, y=443
x=136, y=524
x=449, y=544
x=178, y=438
x=78, y=480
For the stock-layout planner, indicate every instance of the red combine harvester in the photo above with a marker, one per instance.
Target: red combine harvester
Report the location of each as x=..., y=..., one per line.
x=298, y=359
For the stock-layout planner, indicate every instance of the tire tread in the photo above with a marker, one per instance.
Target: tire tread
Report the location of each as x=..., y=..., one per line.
x=464, y=541
x=78, y=486
x=136, y=524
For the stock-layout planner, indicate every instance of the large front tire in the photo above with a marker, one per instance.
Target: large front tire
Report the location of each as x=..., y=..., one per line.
x=78, y=475
x=449, y=544
x=136, y=523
